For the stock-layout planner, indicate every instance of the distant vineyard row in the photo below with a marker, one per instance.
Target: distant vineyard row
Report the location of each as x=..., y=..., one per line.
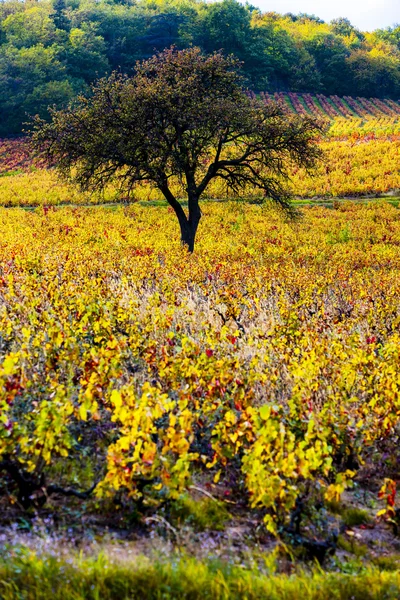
x=332, y=107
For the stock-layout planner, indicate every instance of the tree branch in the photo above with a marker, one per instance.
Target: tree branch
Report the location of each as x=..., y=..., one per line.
x=56, y=489
x=173, y=202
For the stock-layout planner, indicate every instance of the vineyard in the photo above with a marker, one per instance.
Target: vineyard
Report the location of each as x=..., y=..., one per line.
x=240, y=402
x=361, y=147
x=333, y=107
x=263, y=368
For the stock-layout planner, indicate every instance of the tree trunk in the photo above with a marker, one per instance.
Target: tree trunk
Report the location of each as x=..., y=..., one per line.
x=190, y=225
x=188, y=234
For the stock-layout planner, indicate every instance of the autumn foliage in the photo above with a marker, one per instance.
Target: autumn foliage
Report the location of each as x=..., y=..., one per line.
x=264, y=366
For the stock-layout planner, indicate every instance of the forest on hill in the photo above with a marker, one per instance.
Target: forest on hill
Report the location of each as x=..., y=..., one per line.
x=50, y=51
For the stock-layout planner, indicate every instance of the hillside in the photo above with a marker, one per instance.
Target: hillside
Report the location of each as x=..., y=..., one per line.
x=334, y=107
x=52, y=50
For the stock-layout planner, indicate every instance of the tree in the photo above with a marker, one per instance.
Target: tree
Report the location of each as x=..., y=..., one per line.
x=59, y=15
x=182, y=117
x=329, y=53
x=85, y=54
x=344, y=28
x=376, y=72
x=162, y=31
x=29, y=28
x=391, y=35
x=227, y=26
x=23, y=72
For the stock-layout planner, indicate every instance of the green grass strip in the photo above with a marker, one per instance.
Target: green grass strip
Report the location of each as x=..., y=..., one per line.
x=29, y=577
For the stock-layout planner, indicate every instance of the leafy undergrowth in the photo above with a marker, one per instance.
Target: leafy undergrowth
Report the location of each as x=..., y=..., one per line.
x=263, y=368
x=26, y=576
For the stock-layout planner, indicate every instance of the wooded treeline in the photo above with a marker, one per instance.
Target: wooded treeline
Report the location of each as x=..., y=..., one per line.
x=52, y=50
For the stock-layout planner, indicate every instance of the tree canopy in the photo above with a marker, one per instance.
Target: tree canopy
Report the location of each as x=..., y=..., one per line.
x=182, y=117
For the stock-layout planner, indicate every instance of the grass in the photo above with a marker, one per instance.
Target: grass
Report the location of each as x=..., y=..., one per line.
x=352, y=517
x=298, y=203
x=352, y=546
x=26, y=576
x=201, y=514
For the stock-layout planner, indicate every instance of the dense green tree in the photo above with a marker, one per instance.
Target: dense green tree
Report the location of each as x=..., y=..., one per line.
x=330, y=52
x=375, y=70
x=304, y=75
x=30, y=27
x=303, y=17
x=45, y=95
x=227, y=26
x=344, y=28
x=163, y=30
x=391, y=35
x=85, y=54
x=183, y=116
x=119, y=25
x=59, y=16
x=22, y=72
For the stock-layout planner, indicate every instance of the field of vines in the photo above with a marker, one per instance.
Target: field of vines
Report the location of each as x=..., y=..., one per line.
x=361, y=147
x=333, y=107
x=263, y=368
x=250, y=389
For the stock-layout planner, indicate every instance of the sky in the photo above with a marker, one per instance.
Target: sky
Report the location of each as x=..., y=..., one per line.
x=367, y=15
